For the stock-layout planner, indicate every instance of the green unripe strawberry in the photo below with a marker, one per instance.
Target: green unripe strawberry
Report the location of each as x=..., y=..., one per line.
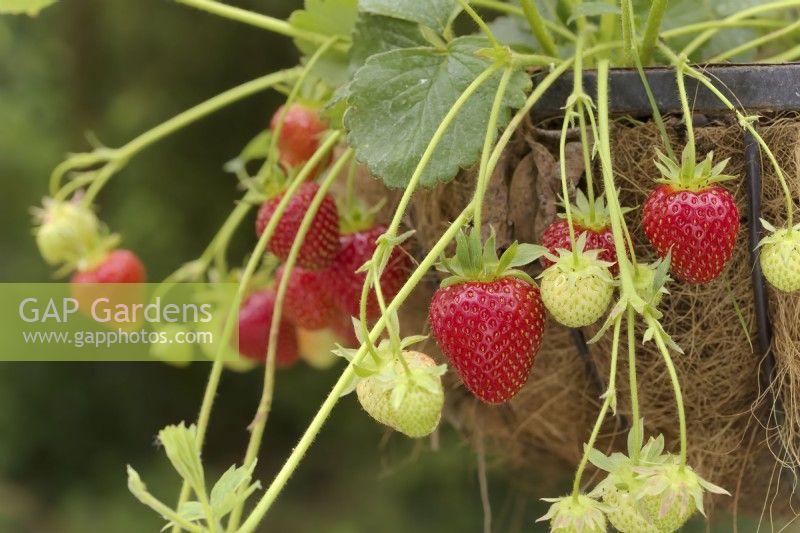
x=67, y=231
x=780, y=258
x=625, y=513
x=408, y=400
x=579, y=514
x=577, y=289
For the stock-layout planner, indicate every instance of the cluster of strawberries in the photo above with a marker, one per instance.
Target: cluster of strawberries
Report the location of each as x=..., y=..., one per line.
x=324, y=288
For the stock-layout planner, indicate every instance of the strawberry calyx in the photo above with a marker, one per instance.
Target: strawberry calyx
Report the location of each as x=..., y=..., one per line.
x=787, y=238
x=585, y=216
x=689, y=175
x=476, y=262
x=357, y=217
x=650, y=280
x=580, y=263
x=579, y=514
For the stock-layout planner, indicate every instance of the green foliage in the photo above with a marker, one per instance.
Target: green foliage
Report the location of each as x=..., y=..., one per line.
x=399, y=98
x=435, y=14
x=330, y=18
x=375, y=34
x=24, y=7
x=514, y=32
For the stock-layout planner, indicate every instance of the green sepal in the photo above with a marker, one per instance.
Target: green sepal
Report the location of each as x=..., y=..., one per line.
x=689, y=175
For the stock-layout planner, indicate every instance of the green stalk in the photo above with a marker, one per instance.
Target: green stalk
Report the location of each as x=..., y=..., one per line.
x=587, y=159
x=491, y=132
x=536, y=22
x=487, y=31
x=448, y=119
x=687, y=115
x=792, y=54
x=265, y=404
x=122, y=155
x=701, y=39
x=651, y=30
x=509, y=9
x=562, y=165
x=255, y=19
x=745, y=123
x=216, y=368
x=626, y=276
x=598, y=424
x=676, y=386
x=298, y=85
x=720, y=24
x=319, y=419
x=628, y=37
x=657, y=118
x=633, y=382
x=764, y=39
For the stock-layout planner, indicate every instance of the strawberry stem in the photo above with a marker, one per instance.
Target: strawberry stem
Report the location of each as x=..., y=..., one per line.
x=210, y=393
x=537, y=24
x=265, y=404
x=491, y=133
x=653, y=26
x=676, y=385
x=691, y=150
x=487, y=31
x=609, y=397
x=636, y=426
x=118, y=158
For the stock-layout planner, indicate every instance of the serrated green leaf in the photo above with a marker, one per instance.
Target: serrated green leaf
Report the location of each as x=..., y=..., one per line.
x=180, y=445
x=436, y=14
x=232, y=488
x=375, y=34
x=330, y=18
x=399, y=98
x=24, y=7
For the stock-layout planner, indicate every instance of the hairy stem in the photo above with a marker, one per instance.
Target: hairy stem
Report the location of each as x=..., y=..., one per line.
x=676, y=386
x=653, y=26
x=319, y=419
x=254, y=19
x=687, y=115
x=609, y=398
x=264, y=405
x=491, y=132
x=510, y=9
x=215, y=375
x=633, y=382
x=538, y=27
x=487, y=31
x=125, y=153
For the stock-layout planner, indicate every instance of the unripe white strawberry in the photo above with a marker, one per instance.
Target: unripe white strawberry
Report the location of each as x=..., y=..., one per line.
x=67, y=231
x=409, y=399
x=625, y=513
x=780, y=258
x=577, y=289
x=575, y=514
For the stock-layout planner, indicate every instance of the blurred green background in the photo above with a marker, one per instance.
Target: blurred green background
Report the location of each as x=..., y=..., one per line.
x=117, y=68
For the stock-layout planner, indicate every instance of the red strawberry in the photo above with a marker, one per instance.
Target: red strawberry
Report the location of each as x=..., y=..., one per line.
x=115, y=279
x=307, y=302
x=255, y=318
x=346, y=284
x=593, y=221
x=694, y=218
x=119, y=266
x=300, y=134
x=488, y=319
x=322, y=240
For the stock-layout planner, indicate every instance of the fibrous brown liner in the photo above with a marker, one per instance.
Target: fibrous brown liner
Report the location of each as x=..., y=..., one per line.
x=735, y=440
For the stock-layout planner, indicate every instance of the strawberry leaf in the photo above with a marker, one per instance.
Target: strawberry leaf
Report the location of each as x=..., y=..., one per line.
x=435, y=14
x=375, y=34
x=399, y=98
x=330, y=18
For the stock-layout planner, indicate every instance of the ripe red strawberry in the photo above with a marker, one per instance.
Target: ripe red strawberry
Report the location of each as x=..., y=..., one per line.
x=694, y=218
x=322, y=240
x=255, y=318
x=115, y=278
x=594, y=223
x=300, y=135
x=119, y=266
x=489, y=320
x=346, y=284
x=307, y=302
